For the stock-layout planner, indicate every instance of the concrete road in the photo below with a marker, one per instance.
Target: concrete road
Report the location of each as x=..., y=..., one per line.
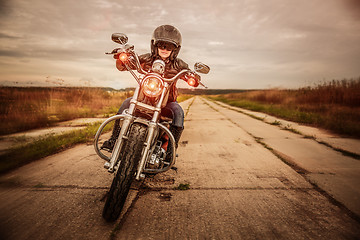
x=247, y=180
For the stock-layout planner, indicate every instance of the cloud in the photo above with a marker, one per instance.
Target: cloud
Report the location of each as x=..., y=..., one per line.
x=4, y=35
x=257, y=41
x=4, y=8
x=214, y=43
x=354, y=8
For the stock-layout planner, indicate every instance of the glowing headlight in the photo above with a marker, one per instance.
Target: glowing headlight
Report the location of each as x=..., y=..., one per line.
x=152, y=86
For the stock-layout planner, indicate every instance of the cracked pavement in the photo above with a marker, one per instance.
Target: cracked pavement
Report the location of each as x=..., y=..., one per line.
x=238, y=189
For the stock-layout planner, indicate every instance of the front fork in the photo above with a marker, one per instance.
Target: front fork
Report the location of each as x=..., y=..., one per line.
x=128, y=119
x=112, y=162
x=117, y=148
x=147, y=144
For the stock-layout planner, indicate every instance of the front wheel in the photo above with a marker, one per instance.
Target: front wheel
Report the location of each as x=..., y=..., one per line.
x=130, y=159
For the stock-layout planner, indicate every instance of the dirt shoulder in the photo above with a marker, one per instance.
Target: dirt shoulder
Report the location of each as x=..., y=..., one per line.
x=17, y=139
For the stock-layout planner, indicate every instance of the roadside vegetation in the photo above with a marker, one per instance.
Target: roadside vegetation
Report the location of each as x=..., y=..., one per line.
x=29, y=108
x=331, y=105
x=184, y=97
x=45, y=146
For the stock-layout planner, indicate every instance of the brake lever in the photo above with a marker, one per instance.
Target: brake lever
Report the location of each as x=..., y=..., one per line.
x=115, y=51
x=126, y=48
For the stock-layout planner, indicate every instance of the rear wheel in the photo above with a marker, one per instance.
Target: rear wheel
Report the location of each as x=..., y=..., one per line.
x=120, y=186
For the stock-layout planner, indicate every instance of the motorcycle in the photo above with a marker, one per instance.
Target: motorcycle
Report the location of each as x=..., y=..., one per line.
x=141, y=147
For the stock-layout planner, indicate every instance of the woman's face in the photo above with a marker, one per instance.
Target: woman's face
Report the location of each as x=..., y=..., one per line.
x=164, y=53
x=165, y=49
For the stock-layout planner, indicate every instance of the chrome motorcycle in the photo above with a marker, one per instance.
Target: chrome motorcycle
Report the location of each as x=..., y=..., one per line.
x=141, y=146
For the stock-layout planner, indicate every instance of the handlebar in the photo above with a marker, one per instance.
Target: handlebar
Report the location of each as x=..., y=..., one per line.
x=129, y=49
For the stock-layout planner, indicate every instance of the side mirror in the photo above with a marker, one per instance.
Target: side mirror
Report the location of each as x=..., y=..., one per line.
x=201, y=68
x=120, y=38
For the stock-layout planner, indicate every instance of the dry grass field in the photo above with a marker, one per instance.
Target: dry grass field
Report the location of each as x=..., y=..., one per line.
x=28, y=108
x=332, y=105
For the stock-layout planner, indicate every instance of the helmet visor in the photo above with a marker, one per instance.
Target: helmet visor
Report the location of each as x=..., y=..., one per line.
x=165, y=45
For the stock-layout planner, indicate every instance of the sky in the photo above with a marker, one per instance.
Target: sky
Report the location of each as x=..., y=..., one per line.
x=248, y=44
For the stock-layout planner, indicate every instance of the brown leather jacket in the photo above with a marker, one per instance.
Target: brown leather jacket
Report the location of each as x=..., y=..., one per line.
x=171, y=69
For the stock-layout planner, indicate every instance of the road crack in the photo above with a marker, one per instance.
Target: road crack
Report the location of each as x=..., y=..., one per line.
x=291, y=129
x=303, y=172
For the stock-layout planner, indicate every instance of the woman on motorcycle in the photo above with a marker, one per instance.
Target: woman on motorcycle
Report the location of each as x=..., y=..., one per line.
x=165, y=45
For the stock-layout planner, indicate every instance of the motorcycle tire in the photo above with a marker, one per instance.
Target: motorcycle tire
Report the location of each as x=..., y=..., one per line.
x=125, y=174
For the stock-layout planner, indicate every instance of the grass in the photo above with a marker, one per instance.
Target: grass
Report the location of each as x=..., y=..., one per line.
x=183, y=186
x=46, y=146
x=276, y=123
x=24, y=108
x=184, y=97
x=39, y=185
x=334, y=105
x=29, y=108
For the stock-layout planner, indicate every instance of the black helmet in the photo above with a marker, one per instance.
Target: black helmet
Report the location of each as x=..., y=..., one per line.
x=169, y=34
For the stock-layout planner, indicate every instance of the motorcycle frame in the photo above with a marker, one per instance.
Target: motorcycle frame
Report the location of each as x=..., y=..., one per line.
x=153, y=127
x=128, y=118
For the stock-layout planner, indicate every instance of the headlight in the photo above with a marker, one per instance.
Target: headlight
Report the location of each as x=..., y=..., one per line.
x=152, y=86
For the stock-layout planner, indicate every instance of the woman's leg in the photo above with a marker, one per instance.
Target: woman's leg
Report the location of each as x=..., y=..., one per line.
x=174, y=111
